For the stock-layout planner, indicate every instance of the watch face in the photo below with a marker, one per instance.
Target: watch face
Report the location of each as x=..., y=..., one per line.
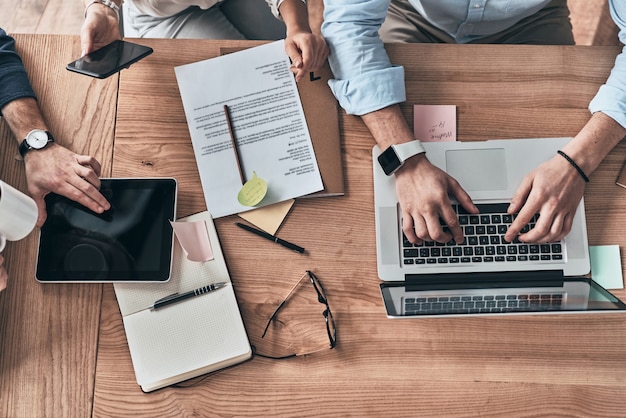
x=389, y=161
x=37, y=139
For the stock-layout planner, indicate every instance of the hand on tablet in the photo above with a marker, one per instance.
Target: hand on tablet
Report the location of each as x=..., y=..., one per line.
x=59, y=170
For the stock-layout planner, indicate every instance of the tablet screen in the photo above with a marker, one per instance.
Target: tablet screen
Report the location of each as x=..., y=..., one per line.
x=131, y=242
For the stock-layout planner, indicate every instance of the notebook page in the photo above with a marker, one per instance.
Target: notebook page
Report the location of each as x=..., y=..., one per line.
x=203, y=331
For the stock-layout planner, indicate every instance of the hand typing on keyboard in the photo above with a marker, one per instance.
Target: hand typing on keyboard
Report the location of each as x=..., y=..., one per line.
x=553, y=190
x=484, y=242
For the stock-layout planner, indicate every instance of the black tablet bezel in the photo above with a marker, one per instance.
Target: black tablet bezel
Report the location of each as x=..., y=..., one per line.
x=48, y=268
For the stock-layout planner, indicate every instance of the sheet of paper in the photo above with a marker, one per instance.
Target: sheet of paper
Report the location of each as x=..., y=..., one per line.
x=268, y=123
x=434, y=123
x=606, y=266
x=269, y=218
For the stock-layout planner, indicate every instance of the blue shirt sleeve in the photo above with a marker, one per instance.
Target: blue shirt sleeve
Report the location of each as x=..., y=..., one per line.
x=611, y=97
x=14, y=83
x=365, y=80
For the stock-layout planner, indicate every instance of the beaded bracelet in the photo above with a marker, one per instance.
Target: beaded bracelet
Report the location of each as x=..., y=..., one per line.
x=108, y=3
x=573, y=163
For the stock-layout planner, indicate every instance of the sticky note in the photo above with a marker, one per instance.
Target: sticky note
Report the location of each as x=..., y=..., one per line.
x=434, y=123
x=270, y=217
x=606, y=266
x=253, y=191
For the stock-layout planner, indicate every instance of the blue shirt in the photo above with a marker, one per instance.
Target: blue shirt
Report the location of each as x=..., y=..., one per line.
x=366, y=81
x=14, y=82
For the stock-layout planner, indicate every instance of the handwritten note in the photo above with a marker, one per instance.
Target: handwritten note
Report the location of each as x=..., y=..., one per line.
x=434, y=123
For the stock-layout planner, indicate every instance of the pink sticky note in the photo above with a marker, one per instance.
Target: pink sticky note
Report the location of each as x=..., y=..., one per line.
x=434, y=123
x=194, y=239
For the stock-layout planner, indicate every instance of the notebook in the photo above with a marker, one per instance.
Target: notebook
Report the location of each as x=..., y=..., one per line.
x=415, y=277
x=195, y=336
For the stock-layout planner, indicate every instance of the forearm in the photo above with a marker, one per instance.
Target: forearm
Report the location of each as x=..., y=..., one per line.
x=315, y=9
x=23, y=115
x=294, y=14
x=594, y=141
x=388, y=126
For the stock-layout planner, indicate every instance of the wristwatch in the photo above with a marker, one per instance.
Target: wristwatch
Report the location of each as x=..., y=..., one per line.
x=36, y=139
x=394, y=157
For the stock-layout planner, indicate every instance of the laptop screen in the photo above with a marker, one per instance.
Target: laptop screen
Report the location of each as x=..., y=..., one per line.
x=504, y=298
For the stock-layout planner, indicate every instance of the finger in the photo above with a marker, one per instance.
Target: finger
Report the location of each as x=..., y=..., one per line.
x=86, y=160
x=41, y=209
x=407, y=228
x=541, y=230
x=435, y=229
x=294, y=54
x=520, y=196
x=420, y=230
x=452, y=222
x=522, y=219
x=455, y=190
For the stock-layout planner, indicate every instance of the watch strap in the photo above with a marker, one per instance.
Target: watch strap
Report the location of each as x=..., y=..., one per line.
x=406, y=150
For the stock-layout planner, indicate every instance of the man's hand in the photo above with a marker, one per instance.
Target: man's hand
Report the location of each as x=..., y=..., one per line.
x=100, y=28
x=4, y=277
x=59, y=170
x=553, y=190
x=424, y=193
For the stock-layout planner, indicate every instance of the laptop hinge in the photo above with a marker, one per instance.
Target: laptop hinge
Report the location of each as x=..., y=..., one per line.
x=443, y=281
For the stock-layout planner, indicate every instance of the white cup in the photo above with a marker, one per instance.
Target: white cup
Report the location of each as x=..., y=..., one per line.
x=18, y=214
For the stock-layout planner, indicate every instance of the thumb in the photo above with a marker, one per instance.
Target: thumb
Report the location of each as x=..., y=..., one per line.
x=41, y=210
x=294, y=54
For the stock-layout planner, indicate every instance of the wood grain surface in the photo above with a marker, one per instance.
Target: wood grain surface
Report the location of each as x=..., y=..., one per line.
x=63, y=351
x=515, y=366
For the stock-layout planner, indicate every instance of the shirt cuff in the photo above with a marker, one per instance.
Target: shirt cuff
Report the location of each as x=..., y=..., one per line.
x=369, y=92
x=612, y=102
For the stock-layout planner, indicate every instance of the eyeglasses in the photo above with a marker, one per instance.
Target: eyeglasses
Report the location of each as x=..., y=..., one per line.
x=328, y=316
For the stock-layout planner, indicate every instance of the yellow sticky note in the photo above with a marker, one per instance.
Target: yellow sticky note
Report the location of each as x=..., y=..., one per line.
x=253, y=191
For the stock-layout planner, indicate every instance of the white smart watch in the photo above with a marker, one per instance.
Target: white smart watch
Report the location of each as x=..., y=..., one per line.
x=394, y=157
x=36, y=139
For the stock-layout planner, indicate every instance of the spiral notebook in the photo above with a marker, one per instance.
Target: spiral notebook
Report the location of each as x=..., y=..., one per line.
x=186, y=339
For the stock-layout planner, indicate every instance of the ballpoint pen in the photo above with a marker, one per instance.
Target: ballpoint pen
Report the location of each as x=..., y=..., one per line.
x=179, y=297
x=271, y=237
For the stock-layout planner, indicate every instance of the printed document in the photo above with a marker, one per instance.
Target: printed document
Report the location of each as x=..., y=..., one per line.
x=269, y=127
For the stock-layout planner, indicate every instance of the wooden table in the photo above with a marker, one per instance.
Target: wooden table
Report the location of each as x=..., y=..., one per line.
x=527, y=365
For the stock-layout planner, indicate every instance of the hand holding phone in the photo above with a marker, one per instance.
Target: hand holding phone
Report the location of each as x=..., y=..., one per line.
x=109, y=59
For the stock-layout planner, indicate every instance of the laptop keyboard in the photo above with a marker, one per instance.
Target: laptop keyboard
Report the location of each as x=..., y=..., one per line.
x=484, y=242
x=483, y=304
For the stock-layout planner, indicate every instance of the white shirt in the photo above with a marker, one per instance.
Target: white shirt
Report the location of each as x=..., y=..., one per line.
x=164, y=8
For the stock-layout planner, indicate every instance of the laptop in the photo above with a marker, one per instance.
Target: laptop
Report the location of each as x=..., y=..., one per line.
x=485, y=274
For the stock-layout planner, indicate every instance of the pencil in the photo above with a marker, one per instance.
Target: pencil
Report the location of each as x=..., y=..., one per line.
x=234, y=143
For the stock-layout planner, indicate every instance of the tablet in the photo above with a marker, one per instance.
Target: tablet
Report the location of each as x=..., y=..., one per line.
x=131, y=242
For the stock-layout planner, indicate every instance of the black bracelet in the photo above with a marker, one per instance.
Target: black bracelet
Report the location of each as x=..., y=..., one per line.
x=573, y=163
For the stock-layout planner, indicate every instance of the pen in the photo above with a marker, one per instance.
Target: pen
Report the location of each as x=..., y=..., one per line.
x=233, y=141
x=179, y=297
x=271, y=237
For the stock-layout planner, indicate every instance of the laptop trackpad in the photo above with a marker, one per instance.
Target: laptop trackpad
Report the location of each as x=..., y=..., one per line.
x=478, y=169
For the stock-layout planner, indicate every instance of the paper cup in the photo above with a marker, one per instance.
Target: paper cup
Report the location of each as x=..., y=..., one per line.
x=18, y=214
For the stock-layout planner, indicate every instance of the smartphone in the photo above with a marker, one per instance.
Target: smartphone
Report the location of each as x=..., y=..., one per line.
x=109, y=59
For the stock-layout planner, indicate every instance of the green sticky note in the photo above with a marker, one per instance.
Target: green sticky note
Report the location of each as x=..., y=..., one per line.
x=253, y=191
x=606, y=266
